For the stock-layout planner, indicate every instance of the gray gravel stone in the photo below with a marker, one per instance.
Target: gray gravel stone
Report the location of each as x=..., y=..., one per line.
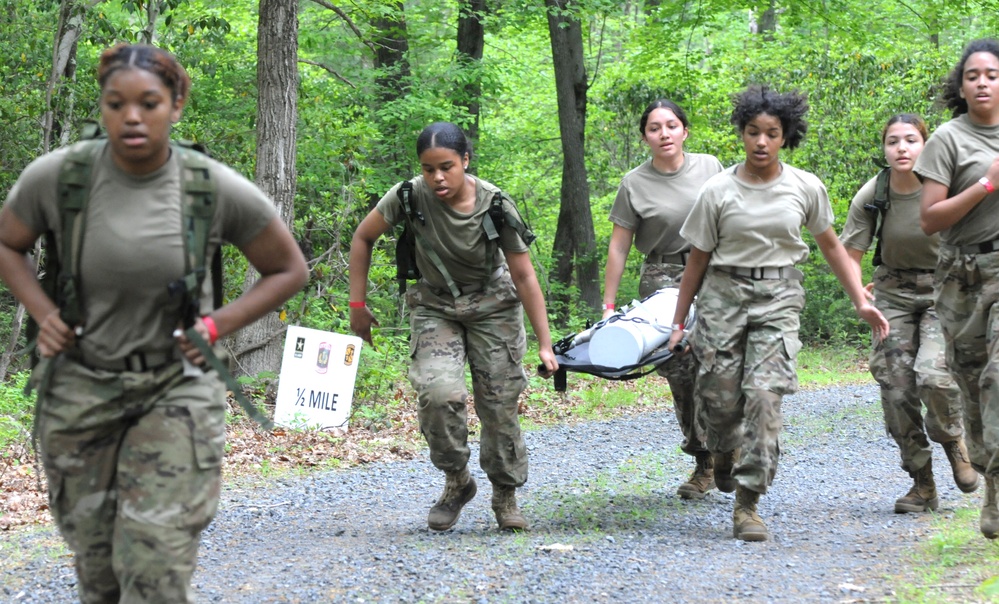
x=606, y=525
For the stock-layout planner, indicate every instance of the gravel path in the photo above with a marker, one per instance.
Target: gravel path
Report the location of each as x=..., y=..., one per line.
x=606, y=525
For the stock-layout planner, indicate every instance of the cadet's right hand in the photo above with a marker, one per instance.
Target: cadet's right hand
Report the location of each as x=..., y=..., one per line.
x=361, y=320
x=607, y=312
x=674, y=340
x=54, y=336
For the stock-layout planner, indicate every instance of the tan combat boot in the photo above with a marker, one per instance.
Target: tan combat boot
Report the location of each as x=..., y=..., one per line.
x=508, y=515
x=459, y=488
x=923, y=494
x=701, y=481
x=965, y=477
x=989, y=522
x=723, y=464
x=746, y=523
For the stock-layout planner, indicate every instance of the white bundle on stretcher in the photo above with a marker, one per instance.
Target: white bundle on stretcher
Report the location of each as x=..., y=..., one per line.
x=633, y=333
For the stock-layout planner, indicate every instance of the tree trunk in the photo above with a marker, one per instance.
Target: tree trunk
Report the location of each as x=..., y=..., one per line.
x=471, y=36
x=259, y=346
x=152, y=14
x=391, y=47
x=392, y=84
x=575, y=242
x=57, y=121
x=768, y=21
x=56, y=124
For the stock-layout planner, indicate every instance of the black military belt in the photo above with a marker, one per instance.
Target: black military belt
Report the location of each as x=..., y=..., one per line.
x=763, y=272
x=976, y=248
x=680, y=258
x=136, y=362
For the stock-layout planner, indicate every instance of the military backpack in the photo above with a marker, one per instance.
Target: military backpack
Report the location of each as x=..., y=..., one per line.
x=493, y=221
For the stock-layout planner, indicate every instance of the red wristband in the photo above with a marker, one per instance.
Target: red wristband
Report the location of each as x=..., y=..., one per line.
x=213, y=330
x=609, y=306
x=356, y=304
x=985, y=182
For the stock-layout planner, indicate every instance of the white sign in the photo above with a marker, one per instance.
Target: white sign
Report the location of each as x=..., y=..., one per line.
x=317, y=378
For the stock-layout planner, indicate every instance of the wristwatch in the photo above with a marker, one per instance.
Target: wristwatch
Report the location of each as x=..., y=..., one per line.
x=985, y=182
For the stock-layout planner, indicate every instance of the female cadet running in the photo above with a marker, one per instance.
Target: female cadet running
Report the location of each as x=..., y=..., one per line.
x=910, y=363
x=131, y=442
x=745, y=237
x=960, y=170
x=468, y=304
x=651, y=205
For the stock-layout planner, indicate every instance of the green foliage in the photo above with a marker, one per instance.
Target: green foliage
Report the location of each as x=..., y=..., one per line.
x=955, y=545
x=858, y=63
x=16, y=411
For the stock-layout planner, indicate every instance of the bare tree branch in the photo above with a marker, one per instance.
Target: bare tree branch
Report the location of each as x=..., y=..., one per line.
x=330, y=70
x=346, y=19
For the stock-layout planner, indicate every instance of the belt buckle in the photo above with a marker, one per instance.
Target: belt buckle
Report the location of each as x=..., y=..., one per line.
x=136, y=362
x=756, y=272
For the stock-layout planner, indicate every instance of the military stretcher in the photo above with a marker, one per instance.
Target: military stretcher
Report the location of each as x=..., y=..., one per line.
x=629, y=344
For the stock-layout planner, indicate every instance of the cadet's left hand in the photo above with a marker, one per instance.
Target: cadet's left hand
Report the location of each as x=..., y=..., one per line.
x=548, y=361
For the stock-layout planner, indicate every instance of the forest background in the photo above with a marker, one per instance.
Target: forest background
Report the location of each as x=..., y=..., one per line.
x=550, y=93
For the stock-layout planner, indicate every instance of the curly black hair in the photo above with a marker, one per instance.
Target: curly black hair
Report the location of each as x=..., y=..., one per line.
x=951, y=95
x=790, y=108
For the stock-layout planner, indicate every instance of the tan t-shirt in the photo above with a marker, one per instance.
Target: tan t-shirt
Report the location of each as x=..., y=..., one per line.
x=957, y=155
x=133, y=246
x=758, y=225
x=654, y=204
x=457, y=238
x=904, y=245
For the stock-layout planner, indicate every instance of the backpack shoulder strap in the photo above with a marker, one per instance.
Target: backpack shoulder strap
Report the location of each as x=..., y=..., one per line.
x=879, y=208
x=75, y=179
x=503, y=214
x=412, y=216
x=198, y=210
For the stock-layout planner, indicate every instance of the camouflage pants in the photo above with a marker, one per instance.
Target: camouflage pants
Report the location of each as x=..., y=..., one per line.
x=910, y=366
x=133, y=464
x=747, y=344
x=487, y=328
x=679, y=371
x=967, y=296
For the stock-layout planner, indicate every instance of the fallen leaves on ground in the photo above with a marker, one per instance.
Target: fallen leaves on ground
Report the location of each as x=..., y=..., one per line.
x=251, y=451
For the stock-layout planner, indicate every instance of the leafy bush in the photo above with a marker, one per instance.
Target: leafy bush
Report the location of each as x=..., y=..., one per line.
x=16, y=411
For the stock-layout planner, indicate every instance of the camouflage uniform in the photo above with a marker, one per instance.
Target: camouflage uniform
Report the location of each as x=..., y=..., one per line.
x=679, y=371
x=133, y=458
x=967, y=294
x=487, y=328
x=747, y=344
x=911, y=368
x=133, y=462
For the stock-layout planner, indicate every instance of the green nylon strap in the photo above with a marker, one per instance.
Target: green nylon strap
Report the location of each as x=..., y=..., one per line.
x=74, y=192
x=882, y=202
x=237, y=391
x=198, y=209
x=405, y=195
x=437, y=262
